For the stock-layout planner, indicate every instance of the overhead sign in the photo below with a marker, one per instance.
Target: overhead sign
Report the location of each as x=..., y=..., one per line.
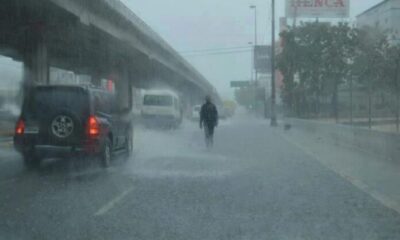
x=317, y=8
x=240, y=84
x=262, y=59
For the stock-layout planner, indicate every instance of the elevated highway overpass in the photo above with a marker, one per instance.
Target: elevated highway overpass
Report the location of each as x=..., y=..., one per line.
x=99, y=38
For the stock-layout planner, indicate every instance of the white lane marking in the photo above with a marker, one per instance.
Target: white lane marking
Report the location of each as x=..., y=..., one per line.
x=93, y=172
x=158, y=174
x=111, y=204
x=380, y=197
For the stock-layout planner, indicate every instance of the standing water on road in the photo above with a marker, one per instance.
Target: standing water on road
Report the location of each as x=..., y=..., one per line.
x=162, y=120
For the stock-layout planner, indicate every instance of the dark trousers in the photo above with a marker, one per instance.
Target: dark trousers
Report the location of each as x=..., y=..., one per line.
x=209, y=134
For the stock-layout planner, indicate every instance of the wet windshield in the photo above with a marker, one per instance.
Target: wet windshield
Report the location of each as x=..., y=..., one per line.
x=44, y=101
x=156, y=100
x=200, y=120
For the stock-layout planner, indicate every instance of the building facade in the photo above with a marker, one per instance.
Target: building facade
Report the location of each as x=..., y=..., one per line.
x=384, y=16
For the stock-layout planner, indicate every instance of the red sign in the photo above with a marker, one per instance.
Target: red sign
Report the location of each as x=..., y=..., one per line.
x=110, y=85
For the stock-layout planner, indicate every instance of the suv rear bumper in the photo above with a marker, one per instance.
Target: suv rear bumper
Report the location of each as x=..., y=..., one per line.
x=88, y=148
x=50, y=151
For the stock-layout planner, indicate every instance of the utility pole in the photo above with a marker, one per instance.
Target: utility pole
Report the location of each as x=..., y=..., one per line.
x=274, y=122
x=252, y=63
x=351, y=100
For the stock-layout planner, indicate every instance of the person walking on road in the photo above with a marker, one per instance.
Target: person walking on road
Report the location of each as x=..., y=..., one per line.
x=209, y=120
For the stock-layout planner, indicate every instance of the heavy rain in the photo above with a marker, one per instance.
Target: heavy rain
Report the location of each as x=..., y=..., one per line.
x=219, y=120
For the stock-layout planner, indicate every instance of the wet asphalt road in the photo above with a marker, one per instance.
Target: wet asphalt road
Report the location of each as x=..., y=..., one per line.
x=252, y=185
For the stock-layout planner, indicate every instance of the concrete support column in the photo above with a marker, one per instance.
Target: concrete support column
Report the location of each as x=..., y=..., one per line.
x=123, y=88
x=36, y=64
x=194, y=98
x=96, y=79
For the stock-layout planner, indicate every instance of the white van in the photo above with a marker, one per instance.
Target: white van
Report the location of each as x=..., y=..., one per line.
x=161, y=108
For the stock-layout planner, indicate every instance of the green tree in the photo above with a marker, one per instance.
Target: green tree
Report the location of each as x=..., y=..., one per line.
x=336, y=55
x=318, y=53
x=312, y=40
x=369, y=62
x=323, y=56
x=287, y=62
x=245, y=96
x=392, y=77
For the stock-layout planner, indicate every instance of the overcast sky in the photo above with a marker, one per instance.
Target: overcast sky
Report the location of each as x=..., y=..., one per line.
x=204, y=24
x=211, y=24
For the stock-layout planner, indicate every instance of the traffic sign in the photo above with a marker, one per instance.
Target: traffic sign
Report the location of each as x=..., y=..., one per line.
x=262, y=58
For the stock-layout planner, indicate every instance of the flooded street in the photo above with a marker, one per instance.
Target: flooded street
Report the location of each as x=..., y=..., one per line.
x=253, y=184
x=200, y=120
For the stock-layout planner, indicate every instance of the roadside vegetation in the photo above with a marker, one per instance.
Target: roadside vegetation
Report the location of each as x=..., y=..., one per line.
x=339, y=71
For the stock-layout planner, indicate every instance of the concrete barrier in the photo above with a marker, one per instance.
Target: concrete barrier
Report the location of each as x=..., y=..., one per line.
x=385, y=145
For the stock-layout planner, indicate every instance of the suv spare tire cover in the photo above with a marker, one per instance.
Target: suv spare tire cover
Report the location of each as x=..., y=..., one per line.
x=64, y=126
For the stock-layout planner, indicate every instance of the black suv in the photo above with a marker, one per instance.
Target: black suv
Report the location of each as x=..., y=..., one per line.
x=64, y=121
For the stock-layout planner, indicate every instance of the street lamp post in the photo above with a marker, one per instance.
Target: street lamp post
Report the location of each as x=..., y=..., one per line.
x=274, y=122
x=255, y=35
x=252, y=80
x=255, y=23
x=252, y=63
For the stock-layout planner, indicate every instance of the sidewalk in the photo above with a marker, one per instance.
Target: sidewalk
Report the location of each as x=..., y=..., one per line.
x=372, y=174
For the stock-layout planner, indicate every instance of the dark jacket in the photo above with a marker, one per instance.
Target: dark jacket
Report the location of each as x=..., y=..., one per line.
x=209, y=115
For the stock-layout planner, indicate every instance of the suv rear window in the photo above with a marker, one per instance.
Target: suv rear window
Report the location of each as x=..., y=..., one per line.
x=48, y=100
x=157, y=100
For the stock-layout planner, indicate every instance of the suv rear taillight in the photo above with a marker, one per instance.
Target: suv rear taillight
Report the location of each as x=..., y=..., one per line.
x=93, y=127
x=20, y=127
